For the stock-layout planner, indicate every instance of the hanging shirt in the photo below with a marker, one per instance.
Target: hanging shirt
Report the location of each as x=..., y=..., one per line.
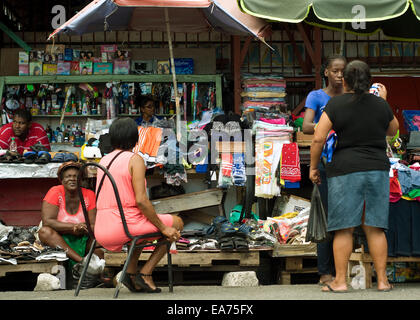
x=35, y=134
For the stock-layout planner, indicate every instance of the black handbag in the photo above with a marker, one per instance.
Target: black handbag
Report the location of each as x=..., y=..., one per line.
x=317, y=222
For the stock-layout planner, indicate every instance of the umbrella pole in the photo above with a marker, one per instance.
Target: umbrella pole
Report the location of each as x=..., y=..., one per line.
x=343, y=26
x=171, y=54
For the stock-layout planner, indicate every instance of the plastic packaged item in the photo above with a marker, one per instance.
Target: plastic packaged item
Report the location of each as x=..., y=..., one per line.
x=374, y=89
x=13, y=145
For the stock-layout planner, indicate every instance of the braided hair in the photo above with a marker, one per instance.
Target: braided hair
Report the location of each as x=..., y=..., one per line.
x=357, y=76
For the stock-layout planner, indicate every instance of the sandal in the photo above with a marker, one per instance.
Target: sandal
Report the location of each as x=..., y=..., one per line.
x=59, y=157
x=43, y=157
x=128, y=282
x=140, y=281
x=30, y=157
x=38, y=147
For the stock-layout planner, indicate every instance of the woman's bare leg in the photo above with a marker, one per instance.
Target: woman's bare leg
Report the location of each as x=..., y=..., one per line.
x=52, y=238
x=342, y=247
x=378, y=249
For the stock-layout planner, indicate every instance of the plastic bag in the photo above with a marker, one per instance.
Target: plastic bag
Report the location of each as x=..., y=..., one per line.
x=317, y=223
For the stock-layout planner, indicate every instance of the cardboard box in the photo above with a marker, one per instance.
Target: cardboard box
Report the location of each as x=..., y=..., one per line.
x=304, y=139
x=49, y=69
x=86, y=67
x=74, y=68
x=68, y=54
x=121, y=67
x=296, y=204
x=102, y=68
x=63, y=68
x=35, y=68
x=184, y=65
x=163, y=67
x=23, y=57
x=23, y=69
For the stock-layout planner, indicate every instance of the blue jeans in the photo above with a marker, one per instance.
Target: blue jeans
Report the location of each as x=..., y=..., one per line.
x=325, y=256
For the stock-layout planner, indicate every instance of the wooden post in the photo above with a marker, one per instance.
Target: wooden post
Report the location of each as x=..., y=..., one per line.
x=236, y=58
x=318, y=58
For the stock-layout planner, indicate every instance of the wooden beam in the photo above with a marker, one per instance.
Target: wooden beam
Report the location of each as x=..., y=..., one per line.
x=296, y=49
x=244, y=50
x=236, y=58
x=299, y=107
x=307, y=42
x=318, y=58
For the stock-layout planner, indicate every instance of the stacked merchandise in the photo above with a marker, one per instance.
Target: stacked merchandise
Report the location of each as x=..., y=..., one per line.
x=263, y=94
x=277, y=157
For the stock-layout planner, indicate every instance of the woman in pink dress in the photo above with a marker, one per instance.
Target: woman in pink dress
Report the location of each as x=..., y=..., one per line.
x=128, y=170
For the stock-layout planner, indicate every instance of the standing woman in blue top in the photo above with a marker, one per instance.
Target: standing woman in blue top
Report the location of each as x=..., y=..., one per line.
x=315, y=104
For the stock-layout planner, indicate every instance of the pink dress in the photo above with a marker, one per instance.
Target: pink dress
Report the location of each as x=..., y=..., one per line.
x=109, y=230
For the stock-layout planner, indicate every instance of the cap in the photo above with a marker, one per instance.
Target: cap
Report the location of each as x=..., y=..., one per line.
x=66, y=165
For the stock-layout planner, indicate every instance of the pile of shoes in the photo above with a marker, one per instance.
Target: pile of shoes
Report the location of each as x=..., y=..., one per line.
x=64, y=156
x=38, y=154
x=11, y=157
x=19, y=244
x=229, y=236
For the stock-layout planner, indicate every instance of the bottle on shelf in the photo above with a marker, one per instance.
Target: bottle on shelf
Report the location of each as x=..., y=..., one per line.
x=13, y=145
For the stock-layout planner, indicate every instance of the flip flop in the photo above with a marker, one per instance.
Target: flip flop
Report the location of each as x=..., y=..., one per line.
x=332, y=290
x=43, y=157
x=30, y=157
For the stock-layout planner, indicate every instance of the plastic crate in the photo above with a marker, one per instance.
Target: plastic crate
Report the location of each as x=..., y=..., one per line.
x=408, y=119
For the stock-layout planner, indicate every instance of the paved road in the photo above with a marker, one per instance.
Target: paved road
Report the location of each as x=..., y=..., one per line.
x=403, y=291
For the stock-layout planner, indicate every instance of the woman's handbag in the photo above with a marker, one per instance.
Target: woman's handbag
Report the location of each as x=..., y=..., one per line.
x=317, y=223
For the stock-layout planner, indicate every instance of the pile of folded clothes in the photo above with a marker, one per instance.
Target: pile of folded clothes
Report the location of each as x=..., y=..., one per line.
x=226, y=236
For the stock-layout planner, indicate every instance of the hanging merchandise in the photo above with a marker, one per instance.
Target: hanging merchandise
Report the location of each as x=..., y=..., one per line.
x=184, y=85
x=269, y=140
x=290, y=163
x=109, y=96
x=225, y=173
x=238, y=169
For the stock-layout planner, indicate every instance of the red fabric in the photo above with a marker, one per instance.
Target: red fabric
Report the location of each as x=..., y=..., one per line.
x=290, y=162
x=57, y=197
x=36, y=134
x=395, y=192
x=227, y=163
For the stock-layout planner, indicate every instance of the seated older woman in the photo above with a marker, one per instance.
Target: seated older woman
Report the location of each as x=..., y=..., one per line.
x=63, y=223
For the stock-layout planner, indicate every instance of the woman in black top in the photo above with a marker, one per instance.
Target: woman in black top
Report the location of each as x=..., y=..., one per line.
x=358, y=179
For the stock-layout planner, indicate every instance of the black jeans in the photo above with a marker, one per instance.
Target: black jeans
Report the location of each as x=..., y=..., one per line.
x=324, y=250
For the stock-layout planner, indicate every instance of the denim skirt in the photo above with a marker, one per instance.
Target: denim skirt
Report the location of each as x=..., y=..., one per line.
x=347, y=195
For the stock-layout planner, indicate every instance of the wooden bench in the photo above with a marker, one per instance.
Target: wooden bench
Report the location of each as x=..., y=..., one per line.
x=191, y=201
x=366, y=260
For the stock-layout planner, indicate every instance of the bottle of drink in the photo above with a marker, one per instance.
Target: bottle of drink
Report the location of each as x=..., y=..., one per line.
x=13, y=145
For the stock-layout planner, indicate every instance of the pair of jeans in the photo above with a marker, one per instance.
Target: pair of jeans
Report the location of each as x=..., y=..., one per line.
x=325, y=256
